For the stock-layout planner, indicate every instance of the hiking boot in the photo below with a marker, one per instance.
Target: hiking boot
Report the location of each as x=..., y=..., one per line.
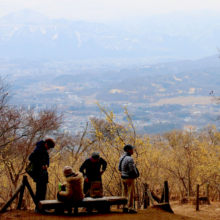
x=132, y=211
x=125, y=210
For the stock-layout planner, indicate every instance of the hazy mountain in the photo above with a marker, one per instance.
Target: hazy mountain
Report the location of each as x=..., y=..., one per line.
x=22, y=17
x=28, y=34
x=201, y=27
x=176, y=23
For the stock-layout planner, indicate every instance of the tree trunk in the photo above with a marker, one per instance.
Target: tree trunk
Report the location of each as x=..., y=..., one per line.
x=189, y=184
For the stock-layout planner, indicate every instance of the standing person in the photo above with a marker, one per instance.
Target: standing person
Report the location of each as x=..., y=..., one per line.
x=92, y=170
x=129, y=173
x=41, y=161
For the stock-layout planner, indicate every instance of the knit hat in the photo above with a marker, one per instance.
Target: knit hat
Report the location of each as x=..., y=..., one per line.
x=67, y=171
x=95, y=155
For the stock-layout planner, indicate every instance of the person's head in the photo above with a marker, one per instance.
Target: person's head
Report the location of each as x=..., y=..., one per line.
x=68, y=171
x=129, y=149
x=49, y=143
x=95, y=157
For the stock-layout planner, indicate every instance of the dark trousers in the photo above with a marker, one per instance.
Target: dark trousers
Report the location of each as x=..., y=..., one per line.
x=59, y=197
x=41, y=189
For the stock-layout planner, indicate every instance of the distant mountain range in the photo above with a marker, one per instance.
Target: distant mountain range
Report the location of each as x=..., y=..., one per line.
x=28, y=34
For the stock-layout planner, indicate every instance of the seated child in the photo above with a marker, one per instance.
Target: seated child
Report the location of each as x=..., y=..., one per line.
x=74, y=186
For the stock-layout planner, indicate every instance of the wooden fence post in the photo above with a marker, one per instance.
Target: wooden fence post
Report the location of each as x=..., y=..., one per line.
x=197, y=197
x=166, y=192
x=8, y=203
x=26, y=183
x=150, y=196
x=21, y=192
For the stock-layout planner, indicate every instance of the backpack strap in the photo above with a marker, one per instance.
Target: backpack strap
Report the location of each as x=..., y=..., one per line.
x=122, y=161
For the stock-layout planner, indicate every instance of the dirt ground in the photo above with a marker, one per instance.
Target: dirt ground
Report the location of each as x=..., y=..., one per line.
x=181, y=212
x=208, y=212
x=150, y=214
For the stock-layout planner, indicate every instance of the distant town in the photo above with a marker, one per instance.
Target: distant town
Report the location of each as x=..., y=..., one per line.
x=159, y=109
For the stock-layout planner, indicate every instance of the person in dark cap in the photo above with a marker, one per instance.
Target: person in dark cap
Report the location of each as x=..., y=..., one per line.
x=92, y=170
x=41, y=161
x=129, y=173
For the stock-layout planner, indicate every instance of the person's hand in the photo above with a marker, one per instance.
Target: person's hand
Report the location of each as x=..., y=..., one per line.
x=87, y=180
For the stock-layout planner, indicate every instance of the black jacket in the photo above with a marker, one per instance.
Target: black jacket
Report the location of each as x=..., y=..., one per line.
x=92, y=170
x=40, y=158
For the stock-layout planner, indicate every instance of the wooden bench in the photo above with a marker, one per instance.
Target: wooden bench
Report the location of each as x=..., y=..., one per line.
x=102, y=204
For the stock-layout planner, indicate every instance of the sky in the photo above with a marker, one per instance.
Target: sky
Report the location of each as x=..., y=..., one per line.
x=105, y=10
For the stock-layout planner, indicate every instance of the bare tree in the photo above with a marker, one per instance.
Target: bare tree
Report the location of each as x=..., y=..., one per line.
x=14, y=153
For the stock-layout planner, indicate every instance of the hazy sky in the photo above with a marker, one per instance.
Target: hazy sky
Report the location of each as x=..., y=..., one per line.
x=103, y=10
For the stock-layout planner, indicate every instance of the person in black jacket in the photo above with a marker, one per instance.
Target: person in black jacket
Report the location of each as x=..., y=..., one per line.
x=92, y=170
x=41, y=161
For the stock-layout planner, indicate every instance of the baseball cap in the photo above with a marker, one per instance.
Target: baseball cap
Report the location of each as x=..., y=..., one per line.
x=128, y=147
x=95, y=155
